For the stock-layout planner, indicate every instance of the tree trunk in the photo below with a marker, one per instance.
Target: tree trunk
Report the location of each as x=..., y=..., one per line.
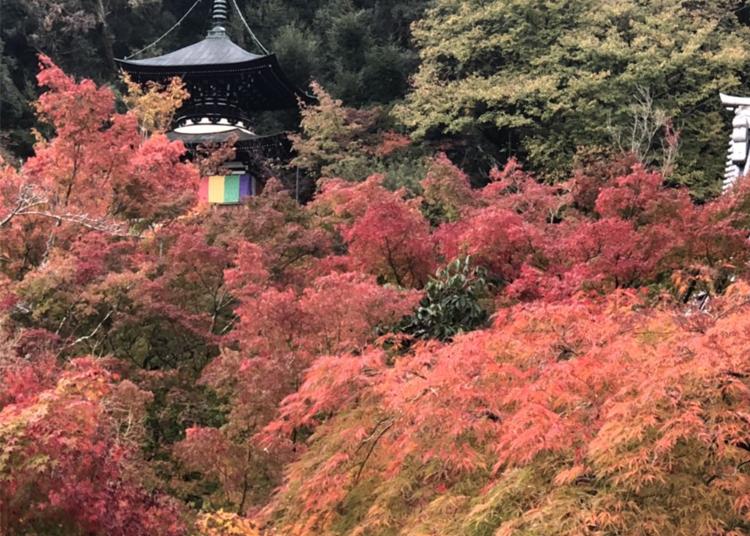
x=106, y=35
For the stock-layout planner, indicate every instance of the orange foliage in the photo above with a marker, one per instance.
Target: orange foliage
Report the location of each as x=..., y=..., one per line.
x=613, y=403
x=243, y=358
x=68, y=460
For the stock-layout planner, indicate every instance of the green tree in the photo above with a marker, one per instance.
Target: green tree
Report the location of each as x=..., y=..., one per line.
x=332, y=141
x=14, y=111
x=454, y=302
x=541, y=78
x=360, y=49
x=297, y=49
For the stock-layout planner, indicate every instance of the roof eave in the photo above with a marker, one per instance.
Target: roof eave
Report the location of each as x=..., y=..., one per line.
x=270, y=62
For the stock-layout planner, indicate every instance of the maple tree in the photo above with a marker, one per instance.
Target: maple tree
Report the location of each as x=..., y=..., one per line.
x=571, y=418
x=386, y=233
x=520, y=358
x=96, y=173
x=546, y=422
x=225, y=524
x=155, y=104
x=331, y=139
x=280, y=334
x=337, y=141
x=69, y=459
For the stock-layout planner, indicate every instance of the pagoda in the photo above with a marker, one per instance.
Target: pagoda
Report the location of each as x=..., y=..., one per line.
x=227, y=84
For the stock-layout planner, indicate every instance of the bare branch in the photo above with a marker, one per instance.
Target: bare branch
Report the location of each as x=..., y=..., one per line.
x=651, y=136
x=90, y=335
x=29, y=202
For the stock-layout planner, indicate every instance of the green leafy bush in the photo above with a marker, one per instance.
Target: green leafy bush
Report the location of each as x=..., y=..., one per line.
x=454, y=302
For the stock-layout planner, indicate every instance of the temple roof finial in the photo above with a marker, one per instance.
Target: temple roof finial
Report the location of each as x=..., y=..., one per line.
x=219, y=19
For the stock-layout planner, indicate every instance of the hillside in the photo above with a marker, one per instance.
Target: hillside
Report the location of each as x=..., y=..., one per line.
x=515, y=302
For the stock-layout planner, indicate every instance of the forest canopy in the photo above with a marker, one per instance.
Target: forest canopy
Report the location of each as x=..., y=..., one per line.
x=545, y=81
x=513, y=301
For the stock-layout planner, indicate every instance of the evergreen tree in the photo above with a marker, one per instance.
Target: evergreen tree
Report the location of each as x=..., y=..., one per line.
x=540, y=78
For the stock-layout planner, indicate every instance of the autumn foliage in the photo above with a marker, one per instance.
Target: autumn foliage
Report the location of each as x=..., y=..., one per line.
x=521, y=358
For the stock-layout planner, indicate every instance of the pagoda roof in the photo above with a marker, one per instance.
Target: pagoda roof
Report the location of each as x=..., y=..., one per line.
x=250, y=82
x=213, y=51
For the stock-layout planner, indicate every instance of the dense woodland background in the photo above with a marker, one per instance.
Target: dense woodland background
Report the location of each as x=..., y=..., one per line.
x=360, y=51
x=513, y=303
x=542, y=81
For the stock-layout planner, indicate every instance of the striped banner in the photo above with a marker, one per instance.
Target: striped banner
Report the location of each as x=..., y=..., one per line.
x=226, y=189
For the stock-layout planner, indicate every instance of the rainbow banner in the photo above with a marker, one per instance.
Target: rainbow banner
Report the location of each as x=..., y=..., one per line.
x=226, y=189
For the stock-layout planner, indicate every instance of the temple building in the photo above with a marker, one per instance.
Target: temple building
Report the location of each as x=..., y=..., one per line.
x=227, y=85
x=738, y=163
